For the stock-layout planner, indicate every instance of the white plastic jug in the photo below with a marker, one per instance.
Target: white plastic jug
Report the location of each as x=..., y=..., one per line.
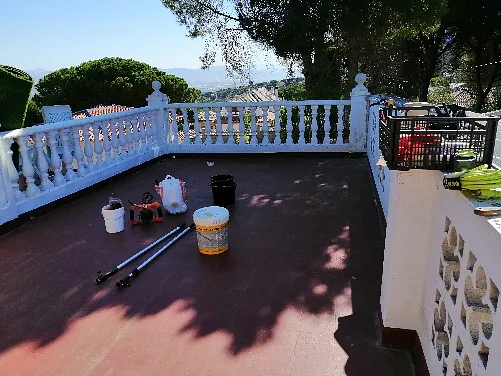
x=173, y=194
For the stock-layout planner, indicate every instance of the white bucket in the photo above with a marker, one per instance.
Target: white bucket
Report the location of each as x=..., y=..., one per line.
x=212, y=229
x=113, y=219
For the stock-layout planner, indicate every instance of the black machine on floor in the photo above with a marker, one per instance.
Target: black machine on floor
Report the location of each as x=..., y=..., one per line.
x=180, y=231
x=146, y=210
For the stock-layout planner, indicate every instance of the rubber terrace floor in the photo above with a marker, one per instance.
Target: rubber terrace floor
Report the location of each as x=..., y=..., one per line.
x=296, y=294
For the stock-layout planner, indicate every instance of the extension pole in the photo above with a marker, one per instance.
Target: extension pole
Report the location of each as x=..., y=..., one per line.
x=103, y=277
x=126, y=281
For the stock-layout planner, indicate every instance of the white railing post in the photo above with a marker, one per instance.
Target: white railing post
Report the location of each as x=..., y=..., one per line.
x=160, y=100
x=9, y=191
x=358, y=114
x=11, y=169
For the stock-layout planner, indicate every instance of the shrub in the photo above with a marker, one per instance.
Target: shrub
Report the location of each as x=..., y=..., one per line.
x=15, y=88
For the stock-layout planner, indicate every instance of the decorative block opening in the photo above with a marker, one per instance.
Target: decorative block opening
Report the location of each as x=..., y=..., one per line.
x=447, y=224
x=454, y=295
x=459, y=346
x=493, y=294
x=483, y=353
x=461, y=246
x=463, y=315
x=471, y=261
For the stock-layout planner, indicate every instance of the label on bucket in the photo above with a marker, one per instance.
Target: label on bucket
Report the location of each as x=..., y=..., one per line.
x=212, y=240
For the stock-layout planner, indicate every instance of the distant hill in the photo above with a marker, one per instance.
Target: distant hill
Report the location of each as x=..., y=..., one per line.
x=215, y=78
x=247, y=93
x=209, y=80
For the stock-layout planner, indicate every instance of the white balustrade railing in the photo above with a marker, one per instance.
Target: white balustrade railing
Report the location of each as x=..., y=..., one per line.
x=60, y=158
x=260, y=126
x=102, y=146
x=380, y=172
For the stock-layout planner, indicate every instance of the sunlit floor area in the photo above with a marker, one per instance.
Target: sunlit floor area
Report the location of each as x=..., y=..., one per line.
x=297, y=293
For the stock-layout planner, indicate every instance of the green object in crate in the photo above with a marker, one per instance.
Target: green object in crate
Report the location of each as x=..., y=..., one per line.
x=464, y=160
x=465, y=153
x=15, y=88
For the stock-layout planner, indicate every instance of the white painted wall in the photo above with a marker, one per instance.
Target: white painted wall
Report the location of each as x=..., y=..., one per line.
x=414, y=251
x=410, y=225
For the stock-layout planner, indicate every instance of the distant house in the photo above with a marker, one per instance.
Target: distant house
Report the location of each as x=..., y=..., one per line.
x=100, y=110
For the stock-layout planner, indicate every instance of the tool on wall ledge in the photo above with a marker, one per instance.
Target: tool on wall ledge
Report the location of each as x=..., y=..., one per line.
x=146, y=210
x=482, y=182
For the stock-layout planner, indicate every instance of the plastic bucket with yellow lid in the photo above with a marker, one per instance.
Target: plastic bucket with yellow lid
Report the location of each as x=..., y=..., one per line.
x=212, y=229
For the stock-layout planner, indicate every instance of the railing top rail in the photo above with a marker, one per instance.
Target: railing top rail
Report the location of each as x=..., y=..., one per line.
x=49, y=127
x=260, y=104
x=449, y=119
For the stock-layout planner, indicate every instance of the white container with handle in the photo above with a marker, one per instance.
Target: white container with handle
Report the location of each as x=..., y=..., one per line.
x=173, y=194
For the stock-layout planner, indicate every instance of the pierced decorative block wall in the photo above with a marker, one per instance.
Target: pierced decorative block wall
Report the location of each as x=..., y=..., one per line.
x=466, y=301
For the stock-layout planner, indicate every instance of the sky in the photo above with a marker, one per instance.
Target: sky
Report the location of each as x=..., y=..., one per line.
x=54, y=34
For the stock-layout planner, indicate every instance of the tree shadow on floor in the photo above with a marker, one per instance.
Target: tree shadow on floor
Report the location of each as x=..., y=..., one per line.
x=292, y=245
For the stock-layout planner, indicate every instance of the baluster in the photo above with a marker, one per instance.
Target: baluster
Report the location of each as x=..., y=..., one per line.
x=171, y=115
x=219, y=126
x=314, y=124
x=231, y=124
x=175, y=127
x=78, y=154
x=289, y=125
x=241, y=124
x=327, y=123
x=208, y=140
x=186, y=125
x=114, y=140
x=266, y=126
x=89, y=153
x=277, y=127
x=253, y=125
x=198, y=135
x=302, y=126
x=135, y=134
x=67, y=157
x=55, y=161
x=43, y=167
x=149, y=131
x=28, y=170
x=154, y=127
x=128, y=136
x=11, y=168
x=98, y=148
x=340, y=124
x=107, y=144
x=121, y=137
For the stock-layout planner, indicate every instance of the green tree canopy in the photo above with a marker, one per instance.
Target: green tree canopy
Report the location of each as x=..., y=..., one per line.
x=109, y=81
x=330, y=40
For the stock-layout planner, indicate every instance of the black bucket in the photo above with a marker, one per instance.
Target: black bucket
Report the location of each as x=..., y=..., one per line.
x=223, y=190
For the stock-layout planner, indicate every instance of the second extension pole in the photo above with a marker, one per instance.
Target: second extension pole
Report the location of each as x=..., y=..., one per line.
x=103, y=277
x=126, y=281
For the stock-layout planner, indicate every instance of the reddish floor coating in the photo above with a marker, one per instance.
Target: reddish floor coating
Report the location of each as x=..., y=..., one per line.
x=296, y=294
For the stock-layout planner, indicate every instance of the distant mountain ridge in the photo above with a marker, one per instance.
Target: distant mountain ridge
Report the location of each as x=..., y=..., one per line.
x=211, y=79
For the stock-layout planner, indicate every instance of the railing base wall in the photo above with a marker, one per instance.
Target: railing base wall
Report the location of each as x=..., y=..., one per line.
x=112, y=176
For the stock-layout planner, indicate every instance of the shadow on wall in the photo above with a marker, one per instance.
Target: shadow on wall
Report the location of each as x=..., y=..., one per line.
x=300, y=230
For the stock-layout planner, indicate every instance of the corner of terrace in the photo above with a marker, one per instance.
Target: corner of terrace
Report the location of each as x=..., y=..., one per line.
x=347, y=254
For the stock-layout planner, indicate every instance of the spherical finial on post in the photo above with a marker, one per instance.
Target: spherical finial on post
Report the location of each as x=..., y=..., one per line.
x=361, y=78
x=156, y=85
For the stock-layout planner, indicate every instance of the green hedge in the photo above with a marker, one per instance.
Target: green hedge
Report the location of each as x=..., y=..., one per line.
x=15, y=88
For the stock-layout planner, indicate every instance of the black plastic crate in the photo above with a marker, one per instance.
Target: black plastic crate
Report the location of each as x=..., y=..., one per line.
x=431, y=142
